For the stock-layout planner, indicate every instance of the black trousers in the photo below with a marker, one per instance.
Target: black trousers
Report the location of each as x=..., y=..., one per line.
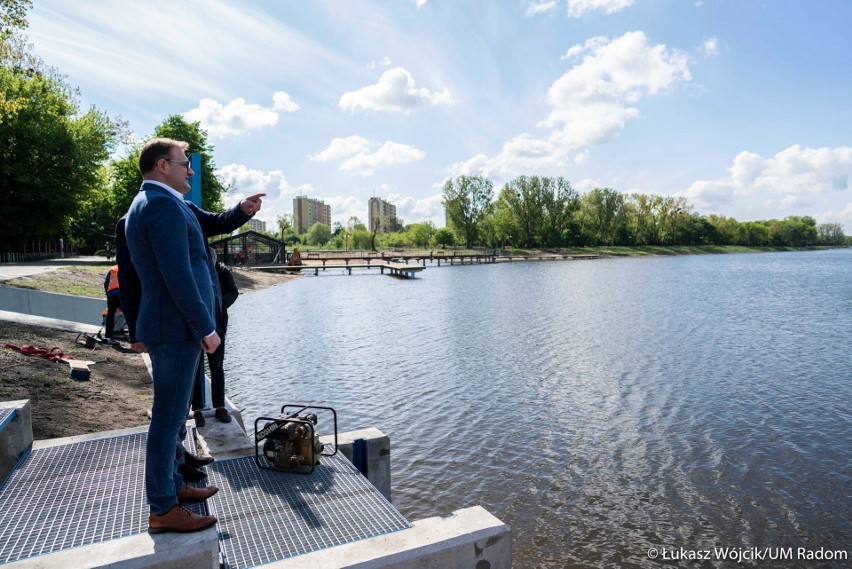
x=217, y=378
x=113, y=302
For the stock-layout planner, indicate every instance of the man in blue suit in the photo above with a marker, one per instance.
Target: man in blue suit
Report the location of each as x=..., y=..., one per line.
x=176, y=321
x=131, y=293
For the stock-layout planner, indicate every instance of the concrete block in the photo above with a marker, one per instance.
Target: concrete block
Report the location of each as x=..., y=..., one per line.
x=163, y=551
x=378, y=455
x=223, y=440
x=469, y=538
x=16, y=436
x=53, y=305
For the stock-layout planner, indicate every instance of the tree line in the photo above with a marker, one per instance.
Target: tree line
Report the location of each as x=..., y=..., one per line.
x=547, y=212
x=58, y=176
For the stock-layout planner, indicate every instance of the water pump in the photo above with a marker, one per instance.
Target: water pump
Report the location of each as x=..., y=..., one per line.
x=290, y=442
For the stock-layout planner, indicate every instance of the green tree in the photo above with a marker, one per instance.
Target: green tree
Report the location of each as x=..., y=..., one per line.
x=602, y=215
x=560, y=201
x=212, y=188
x=360, y=238
x=444, y=237
x=50, y=153
x=93, y=224
x=285, y=223
x=13, y=16
x=830, y=234
x=318, y=234
x=125, y=180
x=420, y=234
x=465, y=200
x=523, y=199
x=126, y=177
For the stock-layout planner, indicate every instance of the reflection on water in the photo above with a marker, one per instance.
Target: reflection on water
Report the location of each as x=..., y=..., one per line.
x=600, y=408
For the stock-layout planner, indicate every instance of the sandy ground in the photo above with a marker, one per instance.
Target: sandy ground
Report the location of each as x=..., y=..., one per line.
x=118, y=392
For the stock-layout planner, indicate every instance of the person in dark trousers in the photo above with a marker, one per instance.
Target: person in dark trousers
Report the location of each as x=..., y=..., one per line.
x=217, y=359
x=176, y=322
x=131, y=293
x=113, y=295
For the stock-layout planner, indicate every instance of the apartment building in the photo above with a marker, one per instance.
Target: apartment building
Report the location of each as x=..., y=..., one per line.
x=382, y=212
x=257, y=225
x=308, y=211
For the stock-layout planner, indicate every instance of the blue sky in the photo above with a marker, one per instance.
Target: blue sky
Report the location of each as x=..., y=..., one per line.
x=742, y=106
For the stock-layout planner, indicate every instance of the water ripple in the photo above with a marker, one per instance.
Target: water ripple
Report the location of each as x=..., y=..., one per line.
x=599, y=408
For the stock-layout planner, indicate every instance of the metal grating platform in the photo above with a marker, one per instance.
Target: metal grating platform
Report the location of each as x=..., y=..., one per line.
x=75, y=494
x=6, y=415
x=267, y=516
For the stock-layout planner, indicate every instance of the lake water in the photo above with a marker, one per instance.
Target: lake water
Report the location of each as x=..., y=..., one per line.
x=600, y=408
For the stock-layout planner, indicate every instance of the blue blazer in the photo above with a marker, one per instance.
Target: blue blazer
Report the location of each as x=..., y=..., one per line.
x=131, y=289
x=169, y=254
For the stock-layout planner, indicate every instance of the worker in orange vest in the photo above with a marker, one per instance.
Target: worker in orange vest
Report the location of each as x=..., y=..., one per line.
x=113, y=300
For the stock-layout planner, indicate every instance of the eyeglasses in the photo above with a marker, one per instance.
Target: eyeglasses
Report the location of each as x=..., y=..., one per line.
x=184, y=163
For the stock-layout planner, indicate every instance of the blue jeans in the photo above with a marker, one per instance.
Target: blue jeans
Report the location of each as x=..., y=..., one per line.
x=173, y=367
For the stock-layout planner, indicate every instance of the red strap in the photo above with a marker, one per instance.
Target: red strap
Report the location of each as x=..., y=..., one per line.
x=53, y=354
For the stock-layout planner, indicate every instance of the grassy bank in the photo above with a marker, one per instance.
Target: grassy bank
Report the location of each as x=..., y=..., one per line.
x=650, y=250
x=89, y=280
x=76, y=280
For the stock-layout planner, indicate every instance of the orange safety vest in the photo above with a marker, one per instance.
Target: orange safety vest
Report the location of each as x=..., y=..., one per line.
x=113, y=279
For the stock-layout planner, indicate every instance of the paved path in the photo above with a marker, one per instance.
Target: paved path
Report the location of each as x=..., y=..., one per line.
x=16, y=270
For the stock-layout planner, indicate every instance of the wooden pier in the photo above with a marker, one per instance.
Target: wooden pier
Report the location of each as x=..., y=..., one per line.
x=406, y=264
x=394, y=269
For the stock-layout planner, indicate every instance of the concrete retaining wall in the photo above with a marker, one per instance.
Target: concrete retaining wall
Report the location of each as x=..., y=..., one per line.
x=377, y=455
x=52, y=305
x=16, y=435
x=468, y=539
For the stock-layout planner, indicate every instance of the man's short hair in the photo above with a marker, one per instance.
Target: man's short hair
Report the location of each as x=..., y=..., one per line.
x=155, y=149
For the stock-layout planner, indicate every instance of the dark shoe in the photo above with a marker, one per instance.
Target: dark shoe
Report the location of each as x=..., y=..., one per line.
x=223, y=415
x=191, y=494
x=197, y=461
x=190, y=474
x=179, y=519
x=199, y=418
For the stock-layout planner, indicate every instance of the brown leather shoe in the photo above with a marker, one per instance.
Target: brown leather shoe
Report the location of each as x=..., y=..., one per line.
x=190, y=494
x=223, y=415
x=179, y=519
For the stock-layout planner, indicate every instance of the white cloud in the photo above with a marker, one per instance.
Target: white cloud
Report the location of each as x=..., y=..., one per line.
x=794, y=171
x=342, y=148
x=385, y=62
x=395, y=91
x=710, y=195
x=710, y=47
x=363, y=156
x=389, y=154
x=589, y=45
x=344, y=207
x=541, y=7
x=523, y=153
x=245, y=182
x=412, y=210
x=238, y=117
x=579, y=8
x=794, y=179
x=281, y=101
x=419, y=3
x=591, y=103
x=594, y=99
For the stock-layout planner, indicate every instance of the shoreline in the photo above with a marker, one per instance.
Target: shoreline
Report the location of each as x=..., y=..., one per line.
x=86, y=278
